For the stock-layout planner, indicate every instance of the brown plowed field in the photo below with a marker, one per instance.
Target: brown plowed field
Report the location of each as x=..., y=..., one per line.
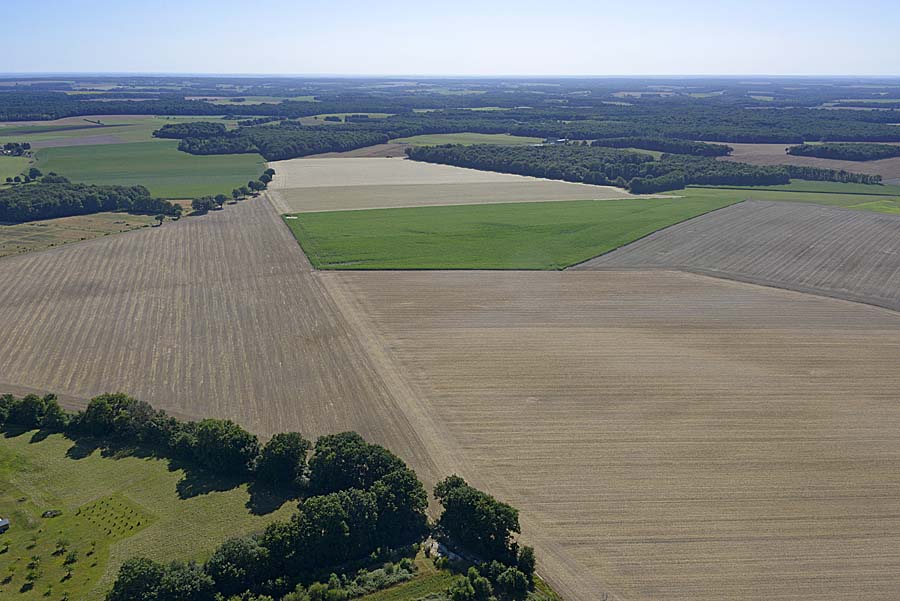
x=843, y=253
x=666, y=435
x=774, y=154
x=334, y=184
x=217, y=315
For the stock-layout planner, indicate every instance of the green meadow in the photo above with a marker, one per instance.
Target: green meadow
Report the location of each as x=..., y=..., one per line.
x=158, y=165
x=113, y=507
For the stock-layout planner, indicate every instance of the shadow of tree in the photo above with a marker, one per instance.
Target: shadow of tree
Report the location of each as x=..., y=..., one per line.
x=11, y=431
x=81, y=448
x=198, y=482
x=39, y=436
x=264, y=500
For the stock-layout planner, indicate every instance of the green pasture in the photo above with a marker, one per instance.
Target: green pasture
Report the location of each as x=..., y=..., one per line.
x=113, y=507
x=158, y=165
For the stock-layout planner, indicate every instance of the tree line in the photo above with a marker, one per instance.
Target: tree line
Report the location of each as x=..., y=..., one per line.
x=846, y=152
x=55, y=196
x=205, y=204
x=357, y=501
x=639, y=173
x=667, y=145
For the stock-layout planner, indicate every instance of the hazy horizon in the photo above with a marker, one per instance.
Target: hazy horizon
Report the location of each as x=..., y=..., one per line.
x=482, y=39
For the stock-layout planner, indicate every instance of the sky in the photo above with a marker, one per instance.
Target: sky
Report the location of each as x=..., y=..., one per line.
x=457, y=37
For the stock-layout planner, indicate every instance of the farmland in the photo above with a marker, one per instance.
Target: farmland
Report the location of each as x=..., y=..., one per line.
x=79, y=131
x=667, y=436
x=690, y=396
x=112, y=509
x=158, y=165
x=774, y=154
x=39, y=235
x=541, y=235
x=259, y=342
x=825, y=250
x=340, y=183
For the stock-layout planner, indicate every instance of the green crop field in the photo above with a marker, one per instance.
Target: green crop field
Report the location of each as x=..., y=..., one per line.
x=468, y=138
x=540, y=235
x=158, y=165
x=113, y=508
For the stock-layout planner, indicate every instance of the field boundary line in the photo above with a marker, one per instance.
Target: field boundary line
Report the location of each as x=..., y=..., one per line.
x=662, y=229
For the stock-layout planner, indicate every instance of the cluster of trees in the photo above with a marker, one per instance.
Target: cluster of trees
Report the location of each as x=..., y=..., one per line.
x=358, y=501
x=286, y=140
x=16, y=149
x=667, y=145
x=195, y=129
x=846, y=152
x=54, y=196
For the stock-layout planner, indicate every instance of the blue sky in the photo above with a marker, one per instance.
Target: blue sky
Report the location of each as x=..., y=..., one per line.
x=487, y=37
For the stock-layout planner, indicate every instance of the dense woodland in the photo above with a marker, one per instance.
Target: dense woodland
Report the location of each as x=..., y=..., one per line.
x=275, y=142
x=358, y=502
x=639, y=173
x=54, y=196
x=846, y=152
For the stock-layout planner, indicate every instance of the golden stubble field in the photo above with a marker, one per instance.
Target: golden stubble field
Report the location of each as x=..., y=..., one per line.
x=219, y=315
x=666, y=435
x=343, y=183
x=824, y=250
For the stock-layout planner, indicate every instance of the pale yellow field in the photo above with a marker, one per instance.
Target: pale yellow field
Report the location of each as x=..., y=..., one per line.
x=325, y=184
x=666, y=435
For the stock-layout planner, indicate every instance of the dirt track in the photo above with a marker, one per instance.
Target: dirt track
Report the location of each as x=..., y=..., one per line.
x=843, y=253
x=666, y=435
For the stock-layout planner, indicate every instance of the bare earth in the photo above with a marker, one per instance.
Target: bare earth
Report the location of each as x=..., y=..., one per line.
x=217, y=315
x=774, y=154
x=666, y=435
x=330, y=184
x=825, y=250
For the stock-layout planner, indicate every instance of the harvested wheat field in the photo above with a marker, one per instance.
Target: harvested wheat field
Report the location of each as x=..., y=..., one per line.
x=774, y=154
x=330, y=184
x=666, y=435
x=213, y=316
x=848, y=254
